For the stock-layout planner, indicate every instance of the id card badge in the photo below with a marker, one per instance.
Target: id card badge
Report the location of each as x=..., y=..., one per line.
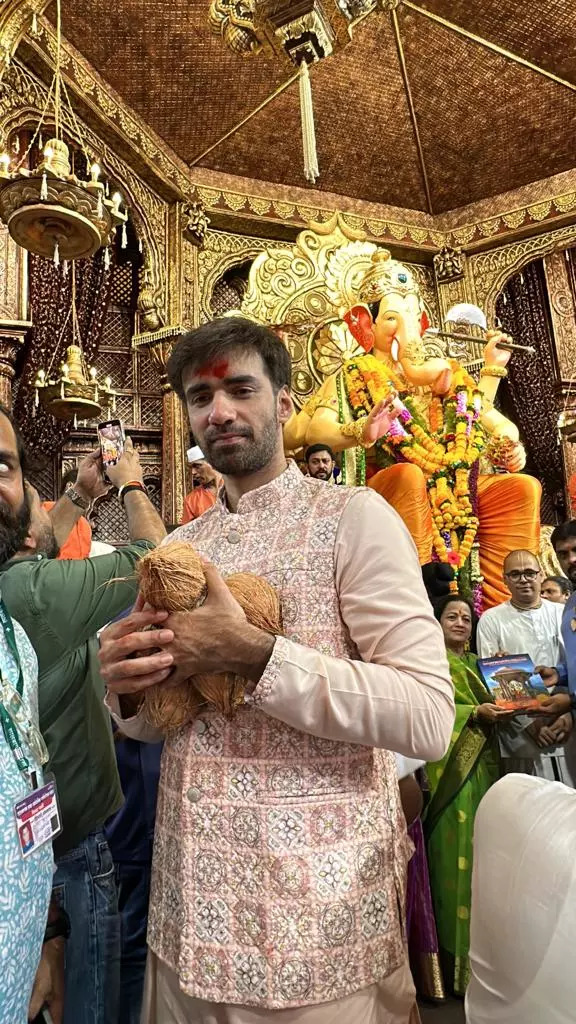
x=38, y=818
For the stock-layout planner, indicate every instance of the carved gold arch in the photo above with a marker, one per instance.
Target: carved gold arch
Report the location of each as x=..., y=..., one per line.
x=307, y=287
x=16, y=17
x=221, y=252
x=491, y=270
x=21, y=103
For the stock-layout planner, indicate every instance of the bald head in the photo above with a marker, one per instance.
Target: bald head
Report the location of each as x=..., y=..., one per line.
x=523, y=578
x=514, y=558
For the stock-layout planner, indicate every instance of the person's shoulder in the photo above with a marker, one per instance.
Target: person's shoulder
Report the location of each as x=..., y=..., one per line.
x=498, y=611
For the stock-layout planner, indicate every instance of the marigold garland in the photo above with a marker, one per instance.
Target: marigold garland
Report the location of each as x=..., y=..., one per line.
x=445, y=448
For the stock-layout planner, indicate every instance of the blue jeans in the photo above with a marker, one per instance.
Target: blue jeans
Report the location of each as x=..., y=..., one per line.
x=85, y=886
x=133, y=895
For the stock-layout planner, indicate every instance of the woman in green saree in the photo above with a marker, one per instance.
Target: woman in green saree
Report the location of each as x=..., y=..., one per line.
x=457, y=784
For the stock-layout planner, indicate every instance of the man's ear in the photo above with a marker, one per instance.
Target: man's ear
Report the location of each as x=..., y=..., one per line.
x=30, y=544
x=285, y=405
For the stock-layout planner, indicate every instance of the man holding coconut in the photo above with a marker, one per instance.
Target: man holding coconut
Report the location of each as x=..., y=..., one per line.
x=280, y=857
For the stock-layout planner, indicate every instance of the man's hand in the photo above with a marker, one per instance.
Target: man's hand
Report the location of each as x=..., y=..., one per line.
x=234, y=646
x=557, y=704
x=90, y=482
x=122, y=643
x=213, y=638
x=49, y=982
x=127, y=468
x=549, y=675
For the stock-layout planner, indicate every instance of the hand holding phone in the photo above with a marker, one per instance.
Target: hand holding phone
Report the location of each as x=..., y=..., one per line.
x=112, y=441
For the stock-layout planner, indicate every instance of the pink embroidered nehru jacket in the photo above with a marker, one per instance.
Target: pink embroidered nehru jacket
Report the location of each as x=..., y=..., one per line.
x=280, y=852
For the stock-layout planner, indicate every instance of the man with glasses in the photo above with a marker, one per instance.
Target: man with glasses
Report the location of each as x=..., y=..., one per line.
x=526, y=624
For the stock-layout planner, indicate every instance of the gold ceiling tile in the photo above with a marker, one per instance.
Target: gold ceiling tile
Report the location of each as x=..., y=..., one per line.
x=465, y=234
x=209, y=196
x=234, y=201
x=514, y=219
x=490, y=227
x=539, y=210
x=565, y=203
x=417, y=234
x=260, y=206
x=284, y=210
x=487, y=124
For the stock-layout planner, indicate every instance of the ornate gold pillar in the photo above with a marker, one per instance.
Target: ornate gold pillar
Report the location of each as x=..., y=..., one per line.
x=175, y=429
x=563, y=316
x=159, y=339
x=12, y=337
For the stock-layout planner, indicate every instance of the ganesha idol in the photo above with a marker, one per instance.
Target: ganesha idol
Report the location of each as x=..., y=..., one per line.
x=416, y=429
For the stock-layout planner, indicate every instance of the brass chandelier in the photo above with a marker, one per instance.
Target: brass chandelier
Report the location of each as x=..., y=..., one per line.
x=48, y=210
x=75, y=392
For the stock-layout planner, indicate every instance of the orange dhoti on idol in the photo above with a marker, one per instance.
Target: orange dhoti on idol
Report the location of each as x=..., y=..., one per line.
x=508, y=513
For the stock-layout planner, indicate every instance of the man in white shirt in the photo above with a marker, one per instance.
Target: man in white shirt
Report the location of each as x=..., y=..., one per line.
x=527, y=625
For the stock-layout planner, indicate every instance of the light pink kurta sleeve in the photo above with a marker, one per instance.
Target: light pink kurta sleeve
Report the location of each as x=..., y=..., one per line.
x=135, y=728
x=399, y=696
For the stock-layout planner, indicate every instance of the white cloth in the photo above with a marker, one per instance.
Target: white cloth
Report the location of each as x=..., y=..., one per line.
x=407, y=765
x=535, y=632
x=99, y=547
x=523, y=925
x=391, y=1002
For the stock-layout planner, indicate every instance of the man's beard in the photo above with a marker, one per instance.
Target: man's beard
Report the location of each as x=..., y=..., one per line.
x=249, y=457
x=14, y=528
x=321, y=474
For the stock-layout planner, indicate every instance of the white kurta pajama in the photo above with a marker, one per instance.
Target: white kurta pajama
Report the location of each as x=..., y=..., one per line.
x=280, y=852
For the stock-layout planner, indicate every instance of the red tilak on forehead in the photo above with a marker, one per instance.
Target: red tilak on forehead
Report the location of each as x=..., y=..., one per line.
x=217, y=369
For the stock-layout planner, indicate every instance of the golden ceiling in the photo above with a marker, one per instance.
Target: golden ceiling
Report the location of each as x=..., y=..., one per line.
x=487, y=121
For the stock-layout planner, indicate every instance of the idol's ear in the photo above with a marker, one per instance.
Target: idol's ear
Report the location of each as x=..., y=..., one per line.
x=424, y=322
x=361, y=326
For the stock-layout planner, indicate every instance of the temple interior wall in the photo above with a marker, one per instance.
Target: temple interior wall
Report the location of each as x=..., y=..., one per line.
x=182, y=285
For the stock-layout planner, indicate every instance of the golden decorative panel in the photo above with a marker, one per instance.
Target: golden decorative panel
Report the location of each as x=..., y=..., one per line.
x=491, y=270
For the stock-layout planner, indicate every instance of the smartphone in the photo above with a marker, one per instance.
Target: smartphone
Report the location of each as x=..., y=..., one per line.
x=112, y=438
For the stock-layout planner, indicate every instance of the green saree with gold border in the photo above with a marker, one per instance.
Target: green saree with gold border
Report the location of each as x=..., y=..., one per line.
x=457, y=784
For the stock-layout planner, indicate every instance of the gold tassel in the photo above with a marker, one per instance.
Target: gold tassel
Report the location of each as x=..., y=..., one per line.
x=311, y=171
x=124, y=242
x=44, y=187
x=100, y=207
x=56, y=255
x=140, y=246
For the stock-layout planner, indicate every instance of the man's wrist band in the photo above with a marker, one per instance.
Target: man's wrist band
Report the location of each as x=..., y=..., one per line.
x=77, y=499
x=131, y=485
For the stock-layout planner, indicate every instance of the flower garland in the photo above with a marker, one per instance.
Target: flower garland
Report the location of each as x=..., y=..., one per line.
x=446, y=447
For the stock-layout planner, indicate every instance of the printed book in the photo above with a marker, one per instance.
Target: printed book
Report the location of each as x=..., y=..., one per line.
x=512, y=681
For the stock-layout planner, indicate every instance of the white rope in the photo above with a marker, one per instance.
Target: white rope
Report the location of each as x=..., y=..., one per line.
x=311, y=171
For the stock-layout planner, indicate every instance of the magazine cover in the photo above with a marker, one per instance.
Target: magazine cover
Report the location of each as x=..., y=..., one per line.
x=512, y=681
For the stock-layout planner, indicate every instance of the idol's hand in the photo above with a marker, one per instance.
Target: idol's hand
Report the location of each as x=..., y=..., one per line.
x=381, y=417
x=494, y=356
